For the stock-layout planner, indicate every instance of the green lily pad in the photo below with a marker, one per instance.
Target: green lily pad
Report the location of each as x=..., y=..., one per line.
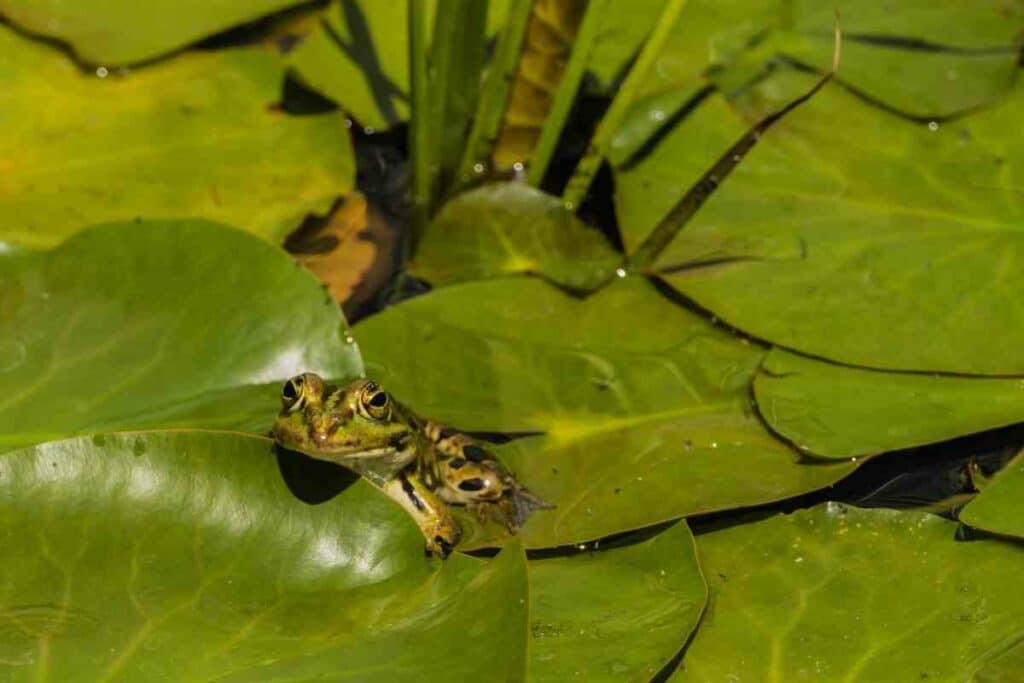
x=196, y=136
x=911, y=56
x=854, y=235
x=118, y=32
x=836, y=411
x=998, y=507
x=184, y=556
x=1003, y=668
x=836, y=593
x=510, y=228
x=644, y=406
x=359, y=58
x=617, y=614
x=178, y=323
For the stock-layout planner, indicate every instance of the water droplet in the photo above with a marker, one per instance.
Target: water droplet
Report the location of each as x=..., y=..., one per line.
x=368, y=130
x=12, y=354
x=620, y=272
x=737, y=157
x=518, y=167
x=102, y=71
x=590, y=511
x=933, y=126
x=478, y=168
x=798, y=560
x=657, y=115
x=569, y=206
x=349, y=339
x=348, y=123
x=687, y=445
x=713, y=444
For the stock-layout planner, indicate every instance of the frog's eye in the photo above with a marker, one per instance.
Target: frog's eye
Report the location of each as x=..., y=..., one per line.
x=293, y=394
x=376, y=402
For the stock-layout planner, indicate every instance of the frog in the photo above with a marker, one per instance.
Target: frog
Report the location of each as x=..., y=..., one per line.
x=424, y=466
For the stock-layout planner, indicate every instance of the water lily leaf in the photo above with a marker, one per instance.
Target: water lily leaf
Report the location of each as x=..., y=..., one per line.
x=617, y=614
x=123, y=552
x=836, y=593
x=998, y=507
x=911, y=57
x=509, y=228
x=197, y=136
x=1003, y=668
x=893, y=249
x=158, y=324
x=119, y=32
x=644, y=406
x=836, y=411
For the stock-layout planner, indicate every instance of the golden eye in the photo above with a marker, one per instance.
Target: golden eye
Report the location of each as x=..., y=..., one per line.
x=376, y=402
x=293, y=393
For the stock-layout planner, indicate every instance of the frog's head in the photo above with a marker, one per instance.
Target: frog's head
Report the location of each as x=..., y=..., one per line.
x=357, y=425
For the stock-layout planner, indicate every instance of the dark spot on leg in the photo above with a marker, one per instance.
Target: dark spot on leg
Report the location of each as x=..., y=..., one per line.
x=445, y=433
x=411, y=492
x=474, y=453
x=457, y=463
x=474, y=484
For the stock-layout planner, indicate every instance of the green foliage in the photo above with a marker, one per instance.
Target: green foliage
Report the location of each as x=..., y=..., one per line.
x=199, y=135
x=850, y=289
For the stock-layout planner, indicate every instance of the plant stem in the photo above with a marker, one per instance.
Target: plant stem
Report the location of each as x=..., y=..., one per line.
x=567, y=90
x=587, y=167
x=494, y=96
x=421, y=152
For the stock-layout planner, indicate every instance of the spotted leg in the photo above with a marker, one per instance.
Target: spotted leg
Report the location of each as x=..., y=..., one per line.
x=439, y=528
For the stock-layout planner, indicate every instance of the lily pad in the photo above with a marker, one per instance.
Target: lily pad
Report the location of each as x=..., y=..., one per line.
x=118, y=32
x=617, y=614
x=510, y=228
x=877, y=242
x=911, y=56
x=196, y=136
x=837, y=593
x=177, y=323
x=998, y=507
x=837, y=411
x=184, y=556
x=644, y=407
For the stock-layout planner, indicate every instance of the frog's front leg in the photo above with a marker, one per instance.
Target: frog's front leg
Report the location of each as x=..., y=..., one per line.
x=435, y=520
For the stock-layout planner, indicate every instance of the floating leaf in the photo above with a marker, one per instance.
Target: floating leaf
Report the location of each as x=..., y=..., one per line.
x=836, y=593
x=867, y=249
x=644, y=406
x=118, y=32
x=912, y=56
x=837, y=411
x=998, y=507
x=123, y=552
x=177, y=323
x=204, y=140
x=616, y=614
x=336, y=252
x=509, y=228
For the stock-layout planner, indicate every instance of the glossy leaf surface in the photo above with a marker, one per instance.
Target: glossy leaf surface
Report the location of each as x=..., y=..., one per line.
x=185, y=556
x=998, y=507
x=117, y=32
x=178, y=323
x=861, y=251
x=617, y=614
x=837, y=411
x=511, y=228
x=196, y=136
x=644, y=406
x=837, y=593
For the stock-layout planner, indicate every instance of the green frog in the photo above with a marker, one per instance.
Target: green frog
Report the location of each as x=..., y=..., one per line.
x=424, y=466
